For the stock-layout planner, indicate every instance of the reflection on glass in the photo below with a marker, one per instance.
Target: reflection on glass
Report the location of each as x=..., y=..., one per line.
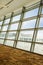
x=38, y=49
x=11, y=35
x=1, y=22
x=0, y=27
x=9, y=43
x=31, y=13
x=40, y=36
x=5, y=28
x=41, y=22
x=28, y=24
x=16, y=18
x=24, y=45
x=26, y=35
x=6, y=21
x=14, y=26
x=1, y=41
x=2, y=35
x=42, y=10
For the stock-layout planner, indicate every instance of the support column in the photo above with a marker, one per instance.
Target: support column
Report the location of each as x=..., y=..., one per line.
x=2, y=23
x=19, y=27
x=36, y=26
x=8, y=27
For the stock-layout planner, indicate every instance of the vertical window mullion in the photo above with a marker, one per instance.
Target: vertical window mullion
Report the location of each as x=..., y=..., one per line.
x=8, y=27
x=19, y=27
x=36, y=26
x=2, y=28
x=2, y=24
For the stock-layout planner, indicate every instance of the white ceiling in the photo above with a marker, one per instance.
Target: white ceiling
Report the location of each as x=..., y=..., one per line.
x=8, y=6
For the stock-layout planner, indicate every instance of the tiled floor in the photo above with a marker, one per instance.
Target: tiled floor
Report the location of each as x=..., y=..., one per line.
x=12, y=56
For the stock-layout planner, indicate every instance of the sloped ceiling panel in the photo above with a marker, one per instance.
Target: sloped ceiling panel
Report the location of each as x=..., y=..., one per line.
x=8, y=6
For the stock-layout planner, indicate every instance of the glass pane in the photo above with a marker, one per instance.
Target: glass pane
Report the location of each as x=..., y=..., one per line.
x=1, y=41
x=41, y=22
x=28, y=24
x=2, y=35
x=14, y=26
x=9, y=43
x=26, y=35
x=1, y=22
x=38, y=49
x=42, y=10
x=40, y=36
x=5, y=28
x=0, y=27
x=11, y=35
x=24, y=45
x=16, y=18
x=7, y=21
x=31, y=13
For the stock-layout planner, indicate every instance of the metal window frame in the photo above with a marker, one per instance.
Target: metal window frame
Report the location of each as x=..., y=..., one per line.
x=36, y=26
x=25, y=9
